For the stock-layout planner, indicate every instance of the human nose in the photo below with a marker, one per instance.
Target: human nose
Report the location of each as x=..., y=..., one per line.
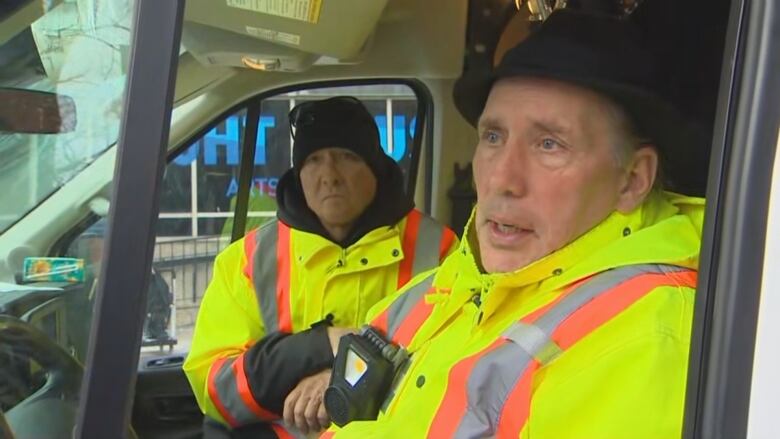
x=330, y=173
x=507, y=175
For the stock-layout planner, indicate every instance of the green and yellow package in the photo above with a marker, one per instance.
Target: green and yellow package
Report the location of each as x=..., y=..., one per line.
x=53, y=270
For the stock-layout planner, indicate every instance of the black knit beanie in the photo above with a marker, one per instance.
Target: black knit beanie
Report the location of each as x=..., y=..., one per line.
x=339, y=122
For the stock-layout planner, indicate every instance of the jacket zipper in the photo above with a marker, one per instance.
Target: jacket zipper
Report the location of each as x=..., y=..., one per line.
x=477, y=299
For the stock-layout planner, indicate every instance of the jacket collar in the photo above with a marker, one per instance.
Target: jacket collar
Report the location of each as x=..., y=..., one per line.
x=307, y=245
x=666, y=228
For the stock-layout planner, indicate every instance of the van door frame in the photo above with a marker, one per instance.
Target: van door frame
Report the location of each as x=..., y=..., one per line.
x=115, y=335
x=730, y=275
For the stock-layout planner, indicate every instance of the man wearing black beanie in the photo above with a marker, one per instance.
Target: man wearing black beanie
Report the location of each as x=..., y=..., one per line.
x=347, y=235
x=315, y=196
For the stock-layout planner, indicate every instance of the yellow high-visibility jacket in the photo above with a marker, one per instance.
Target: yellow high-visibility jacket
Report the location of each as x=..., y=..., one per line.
x=278, y=281
x=590, y=342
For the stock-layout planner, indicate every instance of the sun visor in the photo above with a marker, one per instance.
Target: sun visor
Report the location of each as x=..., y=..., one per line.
x=282, y=35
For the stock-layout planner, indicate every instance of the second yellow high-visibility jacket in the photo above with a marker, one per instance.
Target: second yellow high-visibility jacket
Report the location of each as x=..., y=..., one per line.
x=278, y=281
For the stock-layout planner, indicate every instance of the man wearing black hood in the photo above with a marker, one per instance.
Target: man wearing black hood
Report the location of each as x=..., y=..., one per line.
x=346, y=236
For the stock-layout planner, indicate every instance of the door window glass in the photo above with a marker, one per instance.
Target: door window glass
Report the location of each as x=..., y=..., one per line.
x=63, y=70
x=77, y=59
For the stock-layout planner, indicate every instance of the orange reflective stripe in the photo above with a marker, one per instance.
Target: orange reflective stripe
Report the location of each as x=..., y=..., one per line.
x=229, y=390
x=408, y=245
x=327, y=435
x=455, y=401
x=419, y=314
x=407, y=313
x=380, y=321
x=283, y=278
x=214, y=395
x=533, y=316
x=447, y=238
x=607, y=305
x=517, y=407
x=246, y=394
x=249, y=249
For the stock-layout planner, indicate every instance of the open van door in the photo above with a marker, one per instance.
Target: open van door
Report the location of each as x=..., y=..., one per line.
x=737, y=283
x=77, y=78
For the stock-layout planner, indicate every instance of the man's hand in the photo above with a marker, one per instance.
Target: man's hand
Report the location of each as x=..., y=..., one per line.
x=304, y=407
x=335, y=334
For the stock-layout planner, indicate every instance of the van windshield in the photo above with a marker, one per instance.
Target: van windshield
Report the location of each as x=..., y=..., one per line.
x=68, y=51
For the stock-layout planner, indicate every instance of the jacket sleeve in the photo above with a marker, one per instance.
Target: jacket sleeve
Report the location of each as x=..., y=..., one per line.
x=240, y=374
x=279, y=361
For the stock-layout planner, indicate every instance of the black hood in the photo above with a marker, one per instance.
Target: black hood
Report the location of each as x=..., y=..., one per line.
x=390, y=205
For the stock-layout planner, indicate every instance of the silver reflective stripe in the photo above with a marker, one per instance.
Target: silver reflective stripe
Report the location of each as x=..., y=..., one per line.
x=591, y=289
x=402, y=306
x=399, y=378
x=496, y=374
x=536, y=338
x=227, y=391
x=534, y=341
x=488, y=388
x=426, y=248
x=264, y=269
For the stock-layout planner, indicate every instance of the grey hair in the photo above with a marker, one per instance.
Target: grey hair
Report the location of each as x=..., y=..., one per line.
x=626, y=140
x=624, y=137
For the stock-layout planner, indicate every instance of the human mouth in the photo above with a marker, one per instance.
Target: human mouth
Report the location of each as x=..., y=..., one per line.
x=505, y=233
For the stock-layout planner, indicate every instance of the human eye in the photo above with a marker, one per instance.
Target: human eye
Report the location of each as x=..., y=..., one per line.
x=552, y=152
x=491, y=136
x=549, y=144
x=313, y=158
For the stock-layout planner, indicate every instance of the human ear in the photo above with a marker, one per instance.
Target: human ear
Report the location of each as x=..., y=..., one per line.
x=639, y=178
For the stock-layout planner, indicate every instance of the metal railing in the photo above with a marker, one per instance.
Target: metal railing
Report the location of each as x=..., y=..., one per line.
x=187, y=266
